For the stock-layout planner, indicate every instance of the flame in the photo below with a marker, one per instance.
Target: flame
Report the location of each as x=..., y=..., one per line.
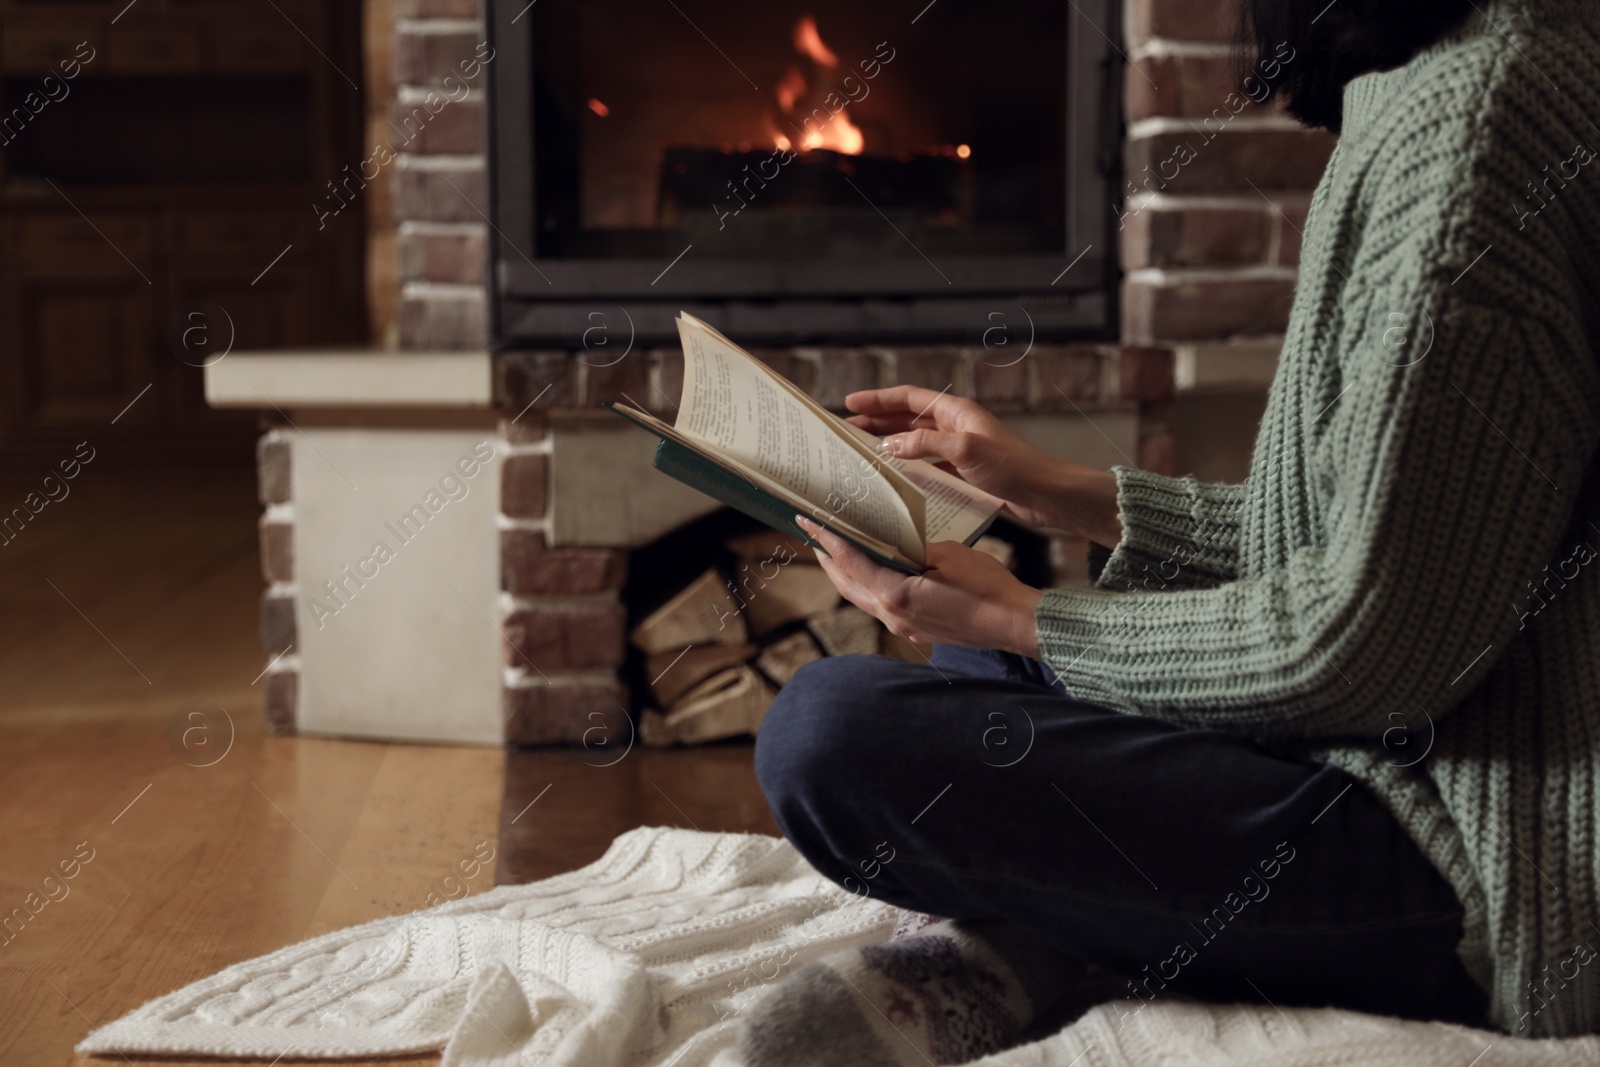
x=779, y=139
x=808, y=42
x=838, y=134
x=598, y=107
x=790, y=88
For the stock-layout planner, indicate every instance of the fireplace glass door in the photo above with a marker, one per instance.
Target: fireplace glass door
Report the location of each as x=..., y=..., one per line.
x=784, y=156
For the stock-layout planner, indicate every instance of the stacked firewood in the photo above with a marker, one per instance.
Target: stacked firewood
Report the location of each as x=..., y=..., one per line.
x=716, y=653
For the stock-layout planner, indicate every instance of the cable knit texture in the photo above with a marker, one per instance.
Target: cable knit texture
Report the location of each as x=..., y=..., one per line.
x=650, y=957
x=1406, y=586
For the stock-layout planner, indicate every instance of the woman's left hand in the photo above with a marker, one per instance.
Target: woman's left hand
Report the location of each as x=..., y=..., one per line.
x=963, y=598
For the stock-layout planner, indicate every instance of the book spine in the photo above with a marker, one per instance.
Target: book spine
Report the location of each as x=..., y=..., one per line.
x=697, y=473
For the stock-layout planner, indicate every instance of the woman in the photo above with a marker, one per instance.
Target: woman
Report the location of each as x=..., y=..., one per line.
x=1331, y=736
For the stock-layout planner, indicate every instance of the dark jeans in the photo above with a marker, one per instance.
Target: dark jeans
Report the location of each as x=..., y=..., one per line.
x=1189, y=861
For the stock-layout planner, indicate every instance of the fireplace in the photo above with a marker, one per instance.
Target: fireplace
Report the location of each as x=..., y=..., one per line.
x=548, y=560
x=800, y=173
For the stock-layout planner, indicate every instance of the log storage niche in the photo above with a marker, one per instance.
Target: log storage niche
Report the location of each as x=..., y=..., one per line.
x=726, y=637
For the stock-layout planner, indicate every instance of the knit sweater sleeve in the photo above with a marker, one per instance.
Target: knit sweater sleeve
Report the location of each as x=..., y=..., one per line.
x=1438, y=490
x=1176, y=533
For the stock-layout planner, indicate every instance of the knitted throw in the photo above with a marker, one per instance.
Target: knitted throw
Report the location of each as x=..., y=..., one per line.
x=1407, y=584
x=648, y=956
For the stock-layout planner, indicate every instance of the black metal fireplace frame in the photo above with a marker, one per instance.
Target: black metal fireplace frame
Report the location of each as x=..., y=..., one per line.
x=1067, y=295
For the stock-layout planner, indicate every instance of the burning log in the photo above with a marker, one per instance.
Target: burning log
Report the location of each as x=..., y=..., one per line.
x=697, y=180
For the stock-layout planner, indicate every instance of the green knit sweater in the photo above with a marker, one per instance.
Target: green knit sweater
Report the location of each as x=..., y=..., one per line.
x=1407, y=584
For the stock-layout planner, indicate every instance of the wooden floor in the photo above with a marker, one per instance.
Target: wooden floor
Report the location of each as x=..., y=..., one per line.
x=563, y=807
x=123, y=605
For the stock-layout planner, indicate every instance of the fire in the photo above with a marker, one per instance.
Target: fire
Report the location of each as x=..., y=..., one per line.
x=838, y=133
x=791, y=88
x=808, y=42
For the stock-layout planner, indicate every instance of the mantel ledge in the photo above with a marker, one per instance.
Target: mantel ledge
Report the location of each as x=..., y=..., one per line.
x=349, y=378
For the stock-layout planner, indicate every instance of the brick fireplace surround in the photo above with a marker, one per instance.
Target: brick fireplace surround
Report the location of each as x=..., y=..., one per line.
x=1208, y=249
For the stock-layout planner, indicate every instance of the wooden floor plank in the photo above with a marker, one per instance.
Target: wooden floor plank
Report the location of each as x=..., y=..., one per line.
x=581, y=799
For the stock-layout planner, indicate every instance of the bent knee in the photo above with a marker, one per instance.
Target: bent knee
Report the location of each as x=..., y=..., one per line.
x=815, y=723
x=840, y=676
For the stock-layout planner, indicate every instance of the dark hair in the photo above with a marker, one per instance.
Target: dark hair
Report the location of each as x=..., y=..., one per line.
x=1333, y=43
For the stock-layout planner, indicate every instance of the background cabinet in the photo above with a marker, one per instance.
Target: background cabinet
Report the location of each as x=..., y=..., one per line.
x=158, y=166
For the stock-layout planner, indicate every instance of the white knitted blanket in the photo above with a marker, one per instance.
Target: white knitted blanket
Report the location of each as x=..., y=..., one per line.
x=646, y=958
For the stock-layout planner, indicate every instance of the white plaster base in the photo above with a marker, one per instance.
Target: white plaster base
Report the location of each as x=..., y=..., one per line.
x=409, y=652
x=604, y=492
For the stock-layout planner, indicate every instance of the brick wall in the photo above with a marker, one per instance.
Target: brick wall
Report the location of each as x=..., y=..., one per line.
x=1072, y=378
x=561, y=613
x=1216, y=188
x=280, y=680
x=436, y=126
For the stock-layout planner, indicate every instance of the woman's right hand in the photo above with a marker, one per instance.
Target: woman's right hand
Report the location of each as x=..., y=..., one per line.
x=1039, y=489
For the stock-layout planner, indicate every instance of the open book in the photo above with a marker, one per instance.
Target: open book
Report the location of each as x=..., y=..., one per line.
x=749, y=438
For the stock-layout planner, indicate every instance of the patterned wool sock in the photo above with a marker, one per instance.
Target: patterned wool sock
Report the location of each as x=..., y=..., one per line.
x=942, y=992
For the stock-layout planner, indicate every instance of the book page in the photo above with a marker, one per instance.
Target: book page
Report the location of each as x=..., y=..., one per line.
x=955, y=510
x=866, y=447
x=735, y=403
